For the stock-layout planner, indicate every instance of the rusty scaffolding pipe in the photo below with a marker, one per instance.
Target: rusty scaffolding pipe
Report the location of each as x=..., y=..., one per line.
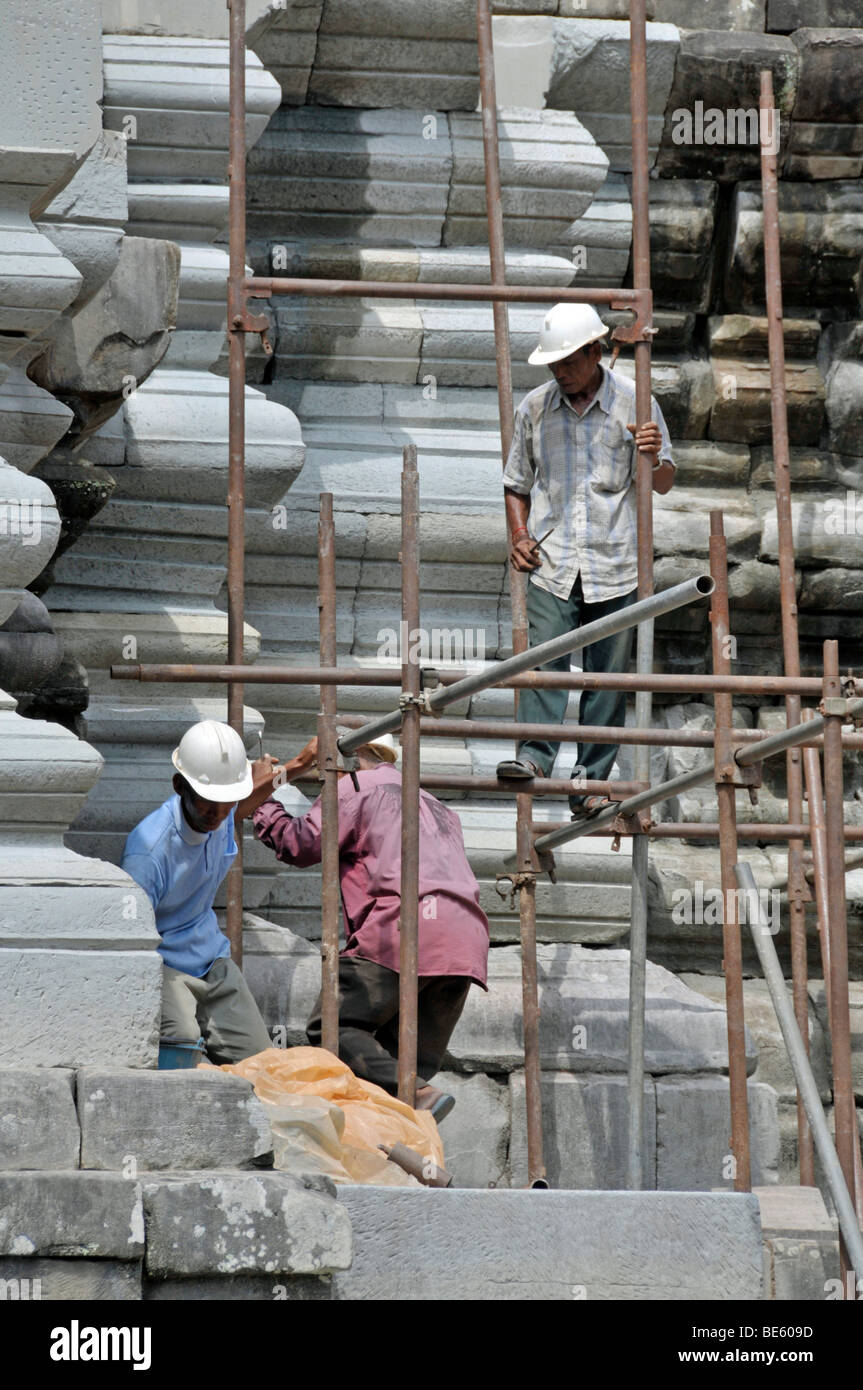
x=328, y=768
x=236, y=423
x=797, y=891
x=518, y=599
x=727, y=776
x=410, y=802
x=644, y=508
x=662, y=684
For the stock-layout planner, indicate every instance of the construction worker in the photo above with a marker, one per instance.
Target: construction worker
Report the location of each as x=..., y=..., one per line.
x=453, y=929
x=179, y=855
x=569, y=486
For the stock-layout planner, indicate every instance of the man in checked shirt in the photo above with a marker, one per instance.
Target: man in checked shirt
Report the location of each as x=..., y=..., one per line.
x=569, y=485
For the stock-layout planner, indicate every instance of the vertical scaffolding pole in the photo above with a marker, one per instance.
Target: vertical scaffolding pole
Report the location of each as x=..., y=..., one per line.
x=844, y=1110
x=726, y=773
x=328, y=768
x=797, y=891
x=236, y=422
x=644, y=655
x=410, y=740
x=818, y=832
x=518, y=598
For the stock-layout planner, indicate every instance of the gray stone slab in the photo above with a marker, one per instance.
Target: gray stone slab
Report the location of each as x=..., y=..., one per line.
x=75, y=1214
x=238, y=1223
x=68, y=1008
x=38, y=1122
x=585, y=1125
x=166, y=1119
x=476, y=1134
x=783, y=16
x=583, y=997
x=693, y=1133
x=527, y=1246
x=59, y=1281
x=774, y=1066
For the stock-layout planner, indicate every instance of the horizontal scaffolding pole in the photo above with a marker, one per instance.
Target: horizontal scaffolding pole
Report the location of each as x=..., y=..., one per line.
x=644, y=611
x=768, y=832
x=661, y=684
x=541, y=786
x=266, y=285
x=437, y=727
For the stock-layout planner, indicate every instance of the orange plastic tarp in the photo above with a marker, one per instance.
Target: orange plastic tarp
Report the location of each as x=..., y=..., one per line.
x=325, y=1119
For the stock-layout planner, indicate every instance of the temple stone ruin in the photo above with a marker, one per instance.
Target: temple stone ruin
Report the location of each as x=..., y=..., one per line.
x=365, y=161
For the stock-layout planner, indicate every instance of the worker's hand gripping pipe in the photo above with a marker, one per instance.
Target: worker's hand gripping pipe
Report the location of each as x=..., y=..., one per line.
x=806, y=1083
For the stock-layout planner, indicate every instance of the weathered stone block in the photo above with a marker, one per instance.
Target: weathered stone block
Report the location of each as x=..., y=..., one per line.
x=422, y=1244
x=83, y=1215
x=800, y=1243
x=476, y=1136
x=711, y=129
x=237, y=1223
x=783, y=16
x=821, y=232
x=584, y=1017
x=590, y=76
x=163, y=1120
x=682, y=241
x=741, y=409
x=38, y=1123
x=65, y=1008
x=585, y=1126
x=693, y=1128
x=60, y=1281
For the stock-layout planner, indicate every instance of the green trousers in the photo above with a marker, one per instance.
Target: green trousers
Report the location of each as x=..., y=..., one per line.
x=219, y=1007
x=550, y=616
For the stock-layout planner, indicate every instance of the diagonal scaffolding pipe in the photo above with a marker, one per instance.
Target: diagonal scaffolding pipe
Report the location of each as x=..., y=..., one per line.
x=328, y=769
x=696, y=777
x=806, y=1083
x=797, y=891
x=666, y=601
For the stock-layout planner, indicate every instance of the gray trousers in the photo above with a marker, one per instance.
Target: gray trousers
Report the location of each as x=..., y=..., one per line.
x=218, y=1007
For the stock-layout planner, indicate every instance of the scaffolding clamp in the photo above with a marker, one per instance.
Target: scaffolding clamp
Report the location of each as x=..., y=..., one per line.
x=837, y=705
x=420, y=702
x=246, y=322
x=640, y=329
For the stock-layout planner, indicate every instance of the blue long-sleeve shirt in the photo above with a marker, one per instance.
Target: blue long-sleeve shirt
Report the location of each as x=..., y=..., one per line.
x=180, y=870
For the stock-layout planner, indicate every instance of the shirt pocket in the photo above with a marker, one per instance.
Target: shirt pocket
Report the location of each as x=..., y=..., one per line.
x=611, y=461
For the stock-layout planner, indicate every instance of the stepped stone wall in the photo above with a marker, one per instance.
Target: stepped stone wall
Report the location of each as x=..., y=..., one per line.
x=365, y=160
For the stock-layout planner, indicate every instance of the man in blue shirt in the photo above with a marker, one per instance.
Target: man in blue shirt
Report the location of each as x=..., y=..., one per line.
x=179, y=855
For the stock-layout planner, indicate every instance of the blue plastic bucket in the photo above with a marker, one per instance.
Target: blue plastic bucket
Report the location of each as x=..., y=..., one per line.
x=174, y=1056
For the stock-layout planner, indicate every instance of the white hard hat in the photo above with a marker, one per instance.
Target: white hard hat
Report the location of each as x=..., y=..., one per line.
x=565, y=328
x=212, y=758
x=384, y=745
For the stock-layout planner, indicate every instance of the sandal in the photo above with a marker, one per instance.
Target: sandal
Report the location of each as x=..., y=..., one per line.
x=593, y=806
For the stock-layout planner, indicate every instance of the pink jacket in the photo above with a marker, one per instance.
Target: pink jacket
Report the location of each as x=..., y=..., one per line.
x=453, y=929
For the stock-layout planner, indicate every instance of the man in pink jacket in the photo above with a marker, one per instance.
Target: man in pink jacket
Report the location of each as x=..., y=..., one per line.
x=453, y=929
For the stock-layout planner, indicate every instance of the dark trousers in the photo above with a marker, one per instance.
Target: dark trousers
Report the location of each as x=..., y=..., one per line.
x=550, y=616
x=369, y=1020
